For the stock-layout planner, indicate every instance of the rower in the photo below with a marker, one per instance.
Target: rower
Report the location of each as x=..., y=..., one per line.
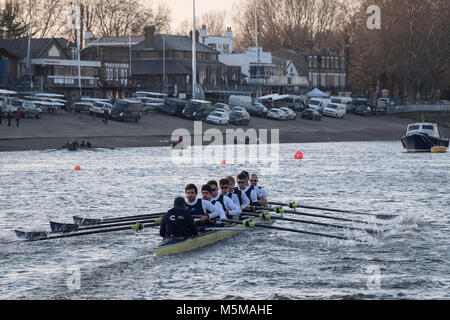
x=207, y=196
x=251, y=194
x=238, y=197
x=231, y=210
x=197, y=207
x=177, y=222
x=260, y=191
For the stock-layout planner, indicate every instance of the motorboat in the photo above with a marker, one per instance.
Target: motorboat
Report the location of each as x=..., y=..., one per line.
x=424, y=137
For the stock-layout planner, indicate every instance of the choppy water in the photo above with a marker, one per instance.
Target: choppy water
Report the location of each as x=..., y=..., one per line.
x=410, y=261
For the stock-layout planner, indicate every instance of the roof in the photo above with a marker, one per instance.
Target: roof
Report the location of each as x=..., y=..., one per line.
x=173, y=43
x=19, y=47
x=114, y=41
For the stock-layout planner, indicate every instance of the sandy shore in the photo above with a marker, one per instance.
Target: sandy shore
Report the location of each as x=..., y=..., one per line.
x=155, y=129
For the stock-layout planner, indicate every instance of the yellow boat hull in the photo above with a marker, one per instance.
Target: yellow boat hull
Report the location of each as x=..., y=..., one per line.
x=201, y=240
x=438, y=149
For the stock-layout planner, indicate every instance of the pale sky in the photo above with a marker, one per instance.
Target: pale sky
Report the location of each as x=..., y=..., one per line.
x=182, y=9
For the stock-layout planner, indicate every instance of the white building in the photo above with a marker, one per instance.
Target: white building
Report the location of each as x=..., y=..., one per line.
x=218, y=43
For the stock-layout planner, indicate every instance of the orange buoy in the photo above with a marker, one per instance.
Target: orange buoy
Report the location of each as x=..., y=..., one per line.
x=298, y=155
x=223, y=161
x=77, y=167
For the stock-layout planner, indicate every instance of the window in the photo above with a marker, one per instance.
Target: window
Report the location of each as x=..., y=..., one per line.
x=226, y=48
x=212, y=46
x=310, y=61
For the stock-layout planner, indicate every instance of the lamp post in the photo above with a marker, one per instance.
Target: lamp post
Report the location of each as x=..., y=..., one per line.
x=343, y=67
x=194, y=67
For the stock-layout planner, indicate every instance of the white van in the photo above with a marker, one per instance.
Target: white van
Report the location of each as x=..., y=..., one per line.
x=336, y=110
x=253, y=106
x=319, y=103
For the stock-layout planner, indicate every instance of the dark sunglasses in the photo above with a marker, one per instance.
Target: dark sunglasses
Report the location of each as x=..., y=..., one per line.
x=212, y=190
x=224, y=187
x=241, y=182
x=253, y=180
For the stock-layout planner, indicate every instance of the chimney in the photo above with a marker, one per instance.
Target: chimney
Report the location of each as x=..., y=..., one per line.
x=149, y=34
x=229, y=33
x=197, y=34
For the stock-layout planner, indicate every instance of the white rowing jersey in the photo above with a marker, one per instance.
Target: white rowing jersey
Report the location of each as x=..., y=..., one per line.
x=228, y=204
x=244, y=200
x=251, y=194
x=260, y=192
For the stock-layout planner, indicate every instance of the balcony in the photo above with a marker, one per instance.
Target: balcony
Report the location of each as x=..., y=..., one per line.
x=280, y=81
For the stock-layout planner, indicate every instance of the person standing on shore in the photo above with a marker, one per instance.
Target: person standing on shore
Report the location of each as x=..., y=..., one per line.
x=9, y=119
x=105, y=116
x=17, y=117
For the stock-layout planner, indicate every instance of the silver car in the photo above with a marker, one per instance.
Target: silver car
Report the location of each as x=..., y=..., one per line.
x=28, y=108
x=291, y=114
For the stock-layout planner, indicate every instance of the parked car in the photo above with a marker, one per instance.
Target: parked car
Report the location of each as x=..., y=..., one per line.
x=28, y=109
x=291, y=114
x=363, y=110
x=335, y=110
x=197, y=109
x=252, y=106
x=99, y=108
x=223, y=106
x=318, y=104
x=277, y=114
x=218, y=117
x=173, y=106
x=127, y=110
x=238, y=117
x=444, y=102
x=296, y=103
x=311, y=114
x=243, y=111
x=82, y=106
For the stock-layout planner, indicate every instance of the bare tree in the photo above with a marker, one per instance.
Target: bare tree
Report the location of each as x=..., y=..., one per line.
x=293, y=22
x=214, y=21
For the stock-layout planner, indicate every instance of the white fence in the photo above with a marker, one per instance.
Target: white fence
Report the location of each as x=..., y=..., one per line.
x=419, y=108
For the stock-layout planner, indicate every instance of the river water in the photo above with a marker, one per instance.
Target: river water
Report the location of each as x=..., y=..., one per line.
x=410, y=260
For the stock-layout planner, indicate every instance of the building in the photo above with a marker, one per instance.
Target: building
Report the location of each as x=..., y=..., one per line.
x=157, y=62
x=222, y=44
x=326, y=69
x=114, y=55
x=267, y=73
x=53, y=64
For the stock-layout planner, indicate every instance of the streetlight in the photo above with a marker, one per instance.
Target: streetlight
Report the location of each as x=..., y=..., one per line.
x=343, y=67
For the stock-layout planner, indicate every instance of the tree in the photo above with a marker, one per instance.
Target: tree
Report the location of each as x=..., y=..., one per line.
x=10, y=25
x=214, y=21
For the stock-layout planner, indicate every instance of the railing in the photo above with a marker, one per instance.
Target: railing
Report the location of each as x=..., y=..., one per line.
x=419, y=108
x=280, y=80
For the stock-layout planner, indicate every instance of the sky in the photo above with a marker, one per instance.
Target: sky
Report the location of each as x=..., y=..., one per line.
x=182, y=9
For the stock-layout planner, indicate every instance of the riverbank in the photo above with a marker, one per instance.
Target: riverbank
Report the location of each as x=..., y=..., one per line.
x=155, y=129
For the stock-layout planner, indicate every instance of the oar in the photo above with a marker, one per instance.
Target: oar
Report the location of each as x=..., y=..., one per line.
x=89, y=221
x=36, y=236
x=296, y=205
x=68, y=227
x=268, y=217
x=252, y=224
x=281, y=210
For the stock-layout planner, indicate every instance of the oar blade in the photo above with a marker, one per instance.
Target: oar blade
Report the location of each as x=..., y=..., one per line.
x=86, y=221
x=63, y=227
x=31, y=236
